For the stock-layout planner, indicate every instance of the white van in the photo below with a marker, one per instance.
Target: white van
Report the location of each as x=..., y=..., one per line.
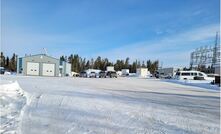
x=189, y=75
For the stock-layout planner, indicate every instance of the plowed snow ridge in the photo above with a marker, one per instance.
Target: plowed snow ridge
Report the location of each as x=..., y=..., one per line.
x=12, y=101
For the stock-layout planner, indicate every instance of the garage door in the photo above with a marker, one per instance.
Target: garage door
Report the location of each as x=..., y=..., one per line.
x=32, y=68
x=48, y=69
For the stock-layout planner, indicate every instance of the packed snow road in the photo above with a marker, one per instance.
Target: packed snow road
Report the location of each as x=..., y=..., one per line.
x=61, y=105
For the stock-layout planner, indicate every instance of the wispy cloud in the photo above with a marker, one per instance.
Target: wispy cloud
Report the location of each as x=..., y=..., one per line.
x=111, y=29
x=172, y=50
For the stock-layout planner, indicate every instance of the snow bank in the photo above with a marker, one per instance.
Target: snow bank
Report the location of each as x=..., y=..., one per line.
x=12, y=100
x=206, y=84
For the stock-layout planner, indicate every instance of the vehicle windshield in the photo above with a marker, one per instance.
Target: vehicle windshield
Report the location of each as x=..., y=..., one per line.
x=200, y=74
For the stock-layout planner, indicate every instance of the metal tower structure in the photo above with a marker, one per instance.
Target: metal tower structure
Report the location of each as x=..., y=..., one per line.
x=216, y=54
x=207, y=56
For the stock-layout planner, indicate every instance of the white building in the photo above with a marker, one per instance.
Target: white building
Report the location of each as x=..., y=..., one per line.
x=110, y=68
x=142, y=72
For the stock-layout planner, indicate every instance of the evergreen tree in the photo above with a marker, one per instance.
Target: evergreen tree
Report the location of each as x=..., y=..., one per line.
x=70, y=60
x=2, y=60
x=107, y=63
x=76, y=63
x=83, y=66
x=97, y=63
x=138, y=64
x=143, y=65
x=126, y=64
x=79, y=64
x=153, y=66
x=87, y=66
x=134, y=67
x=149, y=64
x=119, y=65
x=7, y=63
x=92, y=63
x=13, y=63
x=62, y=58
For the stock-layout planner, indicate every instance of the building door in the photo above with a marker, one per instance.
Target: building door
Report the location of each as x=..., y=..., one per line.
x=32, y=68
x=48, y=69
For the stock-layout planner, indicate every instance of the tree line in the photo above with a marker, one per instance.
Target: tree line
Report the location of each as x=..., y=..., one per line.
x=80, y=64
x=9, y=63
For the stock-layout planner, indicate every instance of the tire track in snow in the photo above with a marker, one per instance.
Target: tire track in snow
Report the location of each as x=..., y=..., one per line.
x=31, y=105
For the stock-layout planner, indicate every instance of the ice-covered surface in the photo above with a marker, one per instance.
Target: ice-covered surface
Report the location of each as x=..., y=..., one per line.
x=12, y=100
x=61, y=105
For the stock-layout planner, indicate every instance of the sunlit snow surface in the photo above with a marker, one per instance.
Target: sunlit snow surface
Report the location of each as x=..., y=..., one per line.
x=62, y=105
x=12, y=100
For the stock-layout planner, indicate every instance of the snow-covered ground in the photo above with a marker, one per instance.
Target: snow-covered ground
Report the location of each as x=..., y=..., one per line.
x=12, y=100
x=206, y=84
x=63, y=105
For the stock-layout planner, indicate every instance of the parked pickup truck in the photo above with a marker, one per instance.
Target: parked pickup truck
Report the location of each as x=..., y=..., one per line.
x=102, y=74
x=111, y=74
x=83, y=74
x=92, y=75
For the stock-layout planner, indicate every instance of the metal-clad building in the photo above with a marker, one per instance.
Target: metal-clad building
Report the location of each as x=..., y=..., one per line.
x=170, y=71
x=42, y=65
x=217, y=69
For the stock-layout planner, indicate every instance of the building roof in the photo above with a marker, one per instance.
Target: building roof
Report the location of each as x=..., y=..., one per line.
x=38, y=55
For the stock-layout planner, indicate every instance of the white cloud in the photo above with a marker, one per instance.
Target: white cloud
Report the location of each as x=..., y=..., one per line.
x=172, y=50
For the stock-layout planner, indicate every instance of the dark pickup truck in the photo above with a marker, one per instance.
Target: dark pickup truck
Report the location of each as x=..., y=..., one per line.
x=111, y=74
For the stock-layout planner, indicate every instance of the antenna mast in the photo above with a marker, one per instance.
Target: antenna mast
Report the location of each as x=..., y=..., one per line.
x=45, y=51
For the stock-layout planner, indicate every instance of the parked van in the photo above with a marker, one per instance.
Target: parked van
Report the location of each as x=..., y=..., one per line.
x=189, y=75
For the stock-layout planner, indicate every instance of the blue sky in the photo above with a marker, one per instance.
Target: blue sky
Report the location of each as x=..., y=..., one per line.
x=167, y=30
